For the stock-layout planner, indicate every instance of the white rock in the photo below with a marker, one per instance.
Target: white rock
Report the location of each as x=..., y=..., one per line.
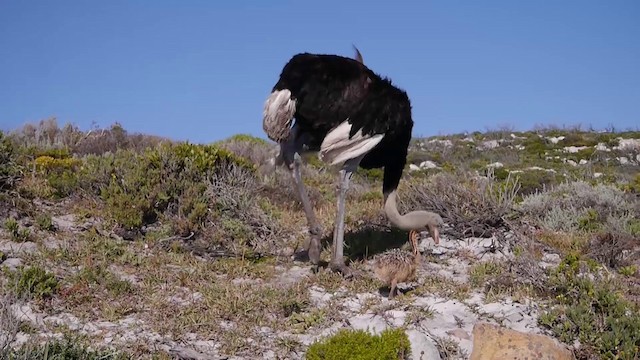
x=602, y=147
x=490, y=144
x=445, y=143
x=574, y=149
x=555, y=140
x=597, y=175
x=571, y=162
x=422, y=347
x=627, y=144
x=397, y=317
x=551, y=258
x=623, y=160
x=413, y=167
x=583, y=162
x=496, y=165
x=520, y=147
x=24, y=313
x=468, y=139
x=64, y=222
x=428, y=165
x=375, y=324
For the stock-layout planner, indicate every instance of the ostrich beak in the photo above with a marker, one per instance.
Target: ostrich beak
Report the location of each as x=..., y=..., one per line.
x=435, y=234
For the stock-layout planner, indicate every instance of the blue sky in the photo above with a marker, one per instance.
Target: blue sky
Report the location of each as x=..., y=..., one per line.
x=201, y=70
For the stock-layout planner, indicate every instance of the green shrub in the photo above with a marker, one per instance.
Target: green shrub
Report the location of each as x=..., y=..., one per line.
x=9, y=169
x=64, y=349
x=44, y=222
x=391, y=344
x=591, y=310
x=18, y=234
x=581, y=206
x=34, y=282
x=532, y=181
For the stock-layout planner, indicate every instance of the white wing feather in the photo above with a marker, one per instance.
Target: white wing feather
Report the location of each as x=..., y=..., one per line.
x=338, y=148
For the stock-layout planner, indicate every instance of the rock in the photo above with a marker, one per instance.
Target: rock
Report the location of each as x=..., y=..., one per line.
x=375, y=324
x=551, y=258
x=597, y=175
x=490, y=144
x=422, y=347
x=555, y=140
x=428, y=165
x=64, y=222
x=459, y=333
x=571, y=162
x=583, y=162
x=12, y=263
x=623, y=160
x=574, y=149
x=602, y=147
x=496, y=165
x=11, y=247
x=627, y=144
x=413, y=167
x=445, y=143
x=494, y=342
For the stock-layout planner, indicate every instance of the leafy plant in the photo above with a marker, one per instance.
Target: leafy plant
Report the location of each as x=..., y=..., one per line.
x=391, y=344
x=34, y=282
x=590, y=310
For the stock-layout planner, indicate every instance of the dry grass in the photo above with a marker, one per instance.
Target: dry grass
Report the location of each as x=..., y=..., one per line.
x=473, y=206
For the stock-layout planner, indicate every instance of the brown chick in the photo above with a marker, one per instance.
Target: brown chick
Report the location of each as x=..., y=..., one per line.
x=396, y=266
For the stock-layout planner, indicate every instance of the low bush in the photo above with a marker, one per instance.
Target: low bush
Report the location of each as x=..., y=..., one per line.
x=391, y=344
x=10, y=171
x=580, y=206
x=590, y=310
x=34, y=282
x=473, y=206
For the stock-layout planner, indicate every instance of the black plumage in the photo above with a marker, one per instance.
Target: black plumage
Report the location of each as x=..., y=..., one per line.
x=329, y=89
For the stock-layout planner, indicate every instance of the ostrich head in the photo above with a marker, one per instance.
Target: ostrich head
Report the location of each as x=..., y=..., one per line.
x=419, y=220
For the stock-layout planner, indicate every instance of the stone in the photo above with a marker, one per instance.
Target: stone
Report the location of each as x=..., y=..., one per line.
x=555, y=140
x=494, y=342
x=11, y=247
x=459, y=333
x=374, y=324
x=627, y=144
x=496, y=165
x=12, y=263
x=574, y=149
x=414, y=167
x=422, y=347
x=64, y=222
x=490, y=144
x=428, y=165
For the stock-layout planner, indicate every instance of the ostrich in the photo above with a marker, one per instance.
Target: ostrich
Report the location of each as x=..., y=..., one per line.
x=352, y=118
x=396, y=266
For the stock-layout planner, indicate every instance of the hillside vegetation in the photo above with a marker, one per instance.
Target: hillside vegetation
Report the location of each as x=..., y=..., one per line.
x=124, y=245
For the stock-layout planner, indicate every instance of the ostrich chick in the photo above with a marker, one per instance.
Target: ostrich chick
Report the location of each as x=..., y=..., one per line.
x=395, y=266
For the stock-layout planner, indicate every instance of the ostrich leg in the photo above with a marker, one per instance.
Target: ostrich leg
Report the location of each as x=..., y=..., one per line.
x=337, y=260
x=313, y=250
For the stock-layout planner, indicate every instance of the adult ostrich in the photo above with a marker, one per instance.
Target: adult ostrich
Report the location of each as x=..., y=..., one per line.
x=352, y=117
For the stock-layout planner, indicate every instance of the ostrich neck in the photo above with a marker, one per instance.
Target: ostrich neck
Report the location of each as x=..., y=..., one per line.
x=408, y=221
